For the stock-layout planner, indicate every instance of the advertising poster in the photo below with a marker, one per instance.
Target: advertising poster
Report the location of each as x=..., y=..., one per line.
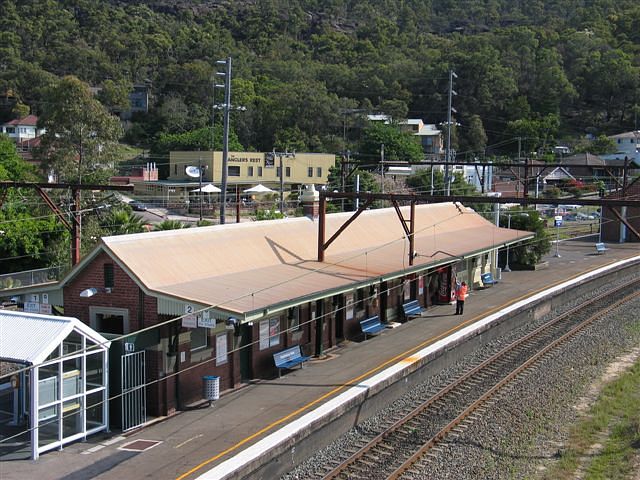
x=349, y=308
x=221, y=349
x=444, y=292
x=274, y=332
x=264, y=334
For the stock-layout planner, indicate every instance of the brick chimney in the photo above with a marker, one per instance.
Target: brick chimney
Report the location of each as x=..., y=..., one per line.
x=310, y=199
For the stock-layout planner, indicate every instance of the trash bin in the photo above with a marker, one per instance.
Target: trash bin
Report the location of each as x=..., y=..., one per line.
x=211, y=387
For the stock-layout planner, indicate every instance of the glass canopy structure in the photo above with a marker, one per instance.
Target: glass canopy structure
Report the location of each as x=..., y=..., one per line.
x=58, y=379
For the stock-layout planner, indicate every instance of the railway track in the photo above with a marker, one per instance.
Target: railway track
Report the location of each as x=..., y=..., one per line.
x=407, y=443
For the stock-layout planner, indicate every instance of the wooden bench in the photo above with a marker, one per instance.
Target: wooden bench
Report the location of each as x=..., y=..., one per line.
x=600, y=248
x=487, y=279
x=371, y=326
x=289, y=358
x=411, y=308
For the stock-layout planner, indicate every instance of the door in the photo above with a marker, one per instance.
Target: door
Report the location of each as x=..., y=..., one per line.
x=246, y=367
x=134, y=398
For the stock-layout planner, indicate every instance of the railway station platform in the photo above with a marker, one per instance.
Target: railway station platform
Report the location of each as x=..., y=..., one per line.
x=212, y=442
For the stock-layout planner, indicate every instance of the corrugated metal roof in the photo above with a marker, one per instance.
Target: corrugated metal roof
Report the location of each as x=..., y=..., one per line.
x=250, y=266
x=30, y=338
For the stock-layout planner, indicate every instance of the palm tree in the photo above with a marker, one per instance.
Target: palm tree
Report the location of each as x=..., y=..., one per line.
x=123, y=221
x=170, y=225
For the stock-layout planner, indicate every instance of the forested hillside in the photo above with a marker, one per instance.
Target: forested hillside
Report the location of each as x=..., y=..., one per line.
x=302, y=66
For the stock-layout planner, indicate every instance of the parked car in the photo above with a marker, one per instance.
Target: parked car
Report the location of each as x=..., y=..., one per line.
x=138, y=206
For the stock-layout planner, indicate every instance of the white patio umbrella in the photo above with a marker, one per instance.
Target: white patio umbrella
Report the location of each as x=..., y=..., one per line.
x=209, y=188
x=258, y=189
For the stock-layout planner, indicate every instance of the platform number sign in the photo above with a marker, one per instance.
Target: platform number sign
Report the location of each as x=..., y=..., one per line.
x=558, y=221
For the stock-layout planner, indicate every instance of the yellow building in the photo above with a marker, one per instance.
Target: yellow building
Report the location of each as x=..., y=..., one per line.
x=245, y=170
x=251, y=168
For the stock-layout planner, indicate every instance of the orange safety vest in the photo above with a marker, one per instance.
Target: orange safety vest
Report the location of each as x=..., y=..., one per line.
x=461, y=293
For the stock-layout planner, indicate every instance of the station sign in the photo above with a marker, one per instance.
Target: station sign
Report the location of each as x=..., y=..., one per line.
x=205, y=320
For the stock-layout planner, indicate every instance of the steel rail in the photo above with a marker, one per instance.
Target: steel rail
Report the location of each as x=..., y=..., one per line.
x=509, y=378
x=378, y=439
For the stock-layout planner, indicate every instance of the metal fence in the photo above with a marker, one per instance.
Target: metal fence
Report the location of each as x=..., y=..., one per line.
x=27, y=278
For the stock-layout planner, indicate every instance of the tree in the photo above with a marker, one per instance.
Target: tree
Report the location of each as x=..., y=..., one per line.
x=477, y=137
x=398, y=145
x=170, y=225
x=115, y=95
x=121, y=221
x=601, y=145
x=535, y=133
x=27, y=232
x=421, y=183
x=530, y=252
x=81, y=135
x=194, y=140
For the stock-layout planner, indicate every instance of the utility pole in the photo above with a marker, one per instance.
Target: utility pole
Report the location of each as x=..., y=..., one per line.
x=282, y=155
x=447, y=178
x=225, y=135
x=74, y=225
x=382, y=166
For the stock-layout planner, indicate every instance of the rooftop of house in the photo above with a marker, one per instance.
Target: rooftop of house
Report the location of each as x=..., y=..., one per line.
x=28, y=121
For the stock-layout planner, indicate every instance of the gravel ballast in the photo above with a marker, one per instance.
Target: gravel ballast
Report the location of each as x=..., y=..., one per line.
x=527, y=423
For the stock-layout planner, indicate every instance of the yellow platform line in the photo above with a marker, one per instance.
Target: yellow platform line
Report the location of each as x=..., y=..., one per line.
x=349, y=383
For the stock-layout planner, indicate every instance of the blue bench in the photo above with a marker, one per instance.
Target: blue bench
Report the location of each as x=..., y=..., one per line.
x=289, y=358
x=487, y=279
x=371, y=326
x=600, y=248
x=411, y=308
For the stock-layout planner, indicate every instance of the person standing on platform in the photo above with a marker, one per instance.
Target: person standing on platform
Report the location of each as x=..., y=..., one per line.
x=461, y=293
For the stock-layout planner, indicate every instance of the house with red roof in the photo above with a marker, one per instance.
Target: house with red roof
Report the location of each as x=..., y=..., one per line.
x=20, y=129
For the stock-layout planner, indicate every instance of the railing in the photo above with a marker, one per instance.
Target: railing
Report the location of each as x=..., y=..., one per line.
x=9, y=281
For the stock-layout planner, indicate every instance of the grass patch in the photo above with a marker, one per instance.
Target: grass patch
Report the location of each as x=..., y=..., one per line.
x=617, y=412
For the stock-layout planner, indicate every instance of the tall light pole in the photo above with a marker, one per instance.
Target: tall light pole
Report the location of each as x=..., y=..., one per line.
x=225, y=134
x=447, y=179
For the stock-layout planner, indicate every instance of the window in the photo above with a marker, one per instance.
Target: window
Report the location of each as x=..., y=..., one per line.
x=199, y=338
x=319, y=172
x=11, y=130
x=107, y=323
x=310, y=172
x=287, y=171
x=250, y=171
x=233, y=170
x=259, y=171
x=109, y=320
x=175, y=169
x=108, y=275
x=278, y=170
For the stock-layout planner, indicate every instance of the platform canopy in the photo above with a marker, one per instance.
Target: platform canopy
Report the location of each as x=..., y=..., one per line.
x=246, y=268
